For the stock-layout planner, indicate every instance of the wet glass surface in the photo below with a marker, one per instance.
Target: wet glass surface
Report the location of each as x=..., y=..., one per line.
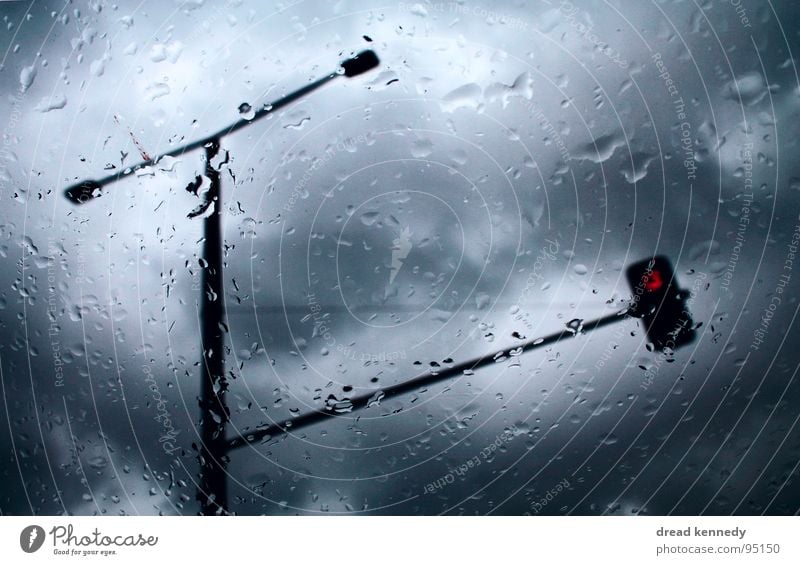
x=488, y=183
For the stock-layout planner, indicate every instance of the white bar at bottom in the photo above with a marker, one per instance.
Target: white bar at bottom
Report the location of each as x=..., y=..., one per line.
x=462, y=540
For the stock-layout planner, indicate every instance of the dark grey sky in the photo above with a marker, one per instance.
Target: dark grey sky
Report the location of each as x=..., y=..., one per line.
x=495, y=175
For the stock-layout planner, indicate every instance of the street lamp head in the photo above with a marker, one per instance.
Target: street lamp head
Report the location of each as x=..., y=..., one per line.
x=361, y=63
x=83, y=192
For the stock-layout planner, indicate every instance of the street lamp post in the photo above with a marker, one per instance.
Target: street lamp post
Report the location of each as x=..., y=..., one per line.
x=214, y=414
x=213, y=451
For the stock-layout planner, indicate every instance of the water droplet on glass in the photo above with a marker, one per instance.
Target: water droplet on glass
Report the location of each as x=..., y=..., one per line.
x=369, y=218
x=26, y=77
x=339, y=406
x=99, y=462
x=466, y=96
x=575, y=326
x=49, y=103
x=296, y=120
x=749, y=88
x=422, y=148
x=246, y=111
x=601, y=149
x=482, y=300
x=637, y=169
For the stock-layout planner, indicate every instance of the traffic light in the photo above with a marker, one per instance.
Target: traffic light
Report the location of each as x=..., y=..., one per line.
x=660, y=304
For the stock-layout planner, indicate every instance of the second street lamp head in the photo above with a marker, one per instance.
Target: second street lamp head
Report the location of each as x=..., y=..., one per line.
x=361, y=63
x=86, y=190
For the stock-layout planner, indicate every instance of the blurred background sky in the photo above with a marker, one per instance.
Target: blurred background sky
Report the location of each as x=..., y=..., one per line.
x=489, y=181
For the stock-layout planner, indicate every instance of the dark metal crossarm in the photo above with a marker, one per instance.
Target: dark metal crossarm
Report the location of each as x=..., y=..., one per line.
x=86, y=190
x=212, y=493
x=428, y=378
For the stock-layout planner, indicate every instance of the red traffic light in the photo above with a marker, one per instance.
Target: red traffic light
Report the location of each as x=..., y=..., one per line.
x=653, y=282
x=660, y=304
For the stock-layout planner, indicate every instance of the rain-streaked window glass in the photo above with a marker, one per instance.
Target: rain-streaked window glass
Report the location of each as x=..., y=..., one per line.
x=417, y=258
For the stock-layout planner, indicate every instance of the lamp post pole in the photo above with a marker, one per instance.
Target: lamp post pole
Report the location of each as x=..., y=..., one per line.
x=214, y=414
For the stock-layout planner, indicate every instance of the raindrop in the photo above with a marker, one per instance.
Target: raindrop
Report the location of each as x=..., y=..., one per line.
x=522, y=87
x=54, y=102
x=296, y=120
x=369, y=218
x=156, y=90
x=166, y=51
x=98, y=462
x=700, y=250
x=422, y=148
x=383, y=81
x=575, y=326
x=601, y=149
x=339, y=406
x=608, y=439
x=636, y=168
x=376, y=398
x=482, y=300
x=419, y=10
x=26, y=77
x=466, y=96
x=749, y=88
x=246, y=111
x=459, y=157
x=98, y=67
